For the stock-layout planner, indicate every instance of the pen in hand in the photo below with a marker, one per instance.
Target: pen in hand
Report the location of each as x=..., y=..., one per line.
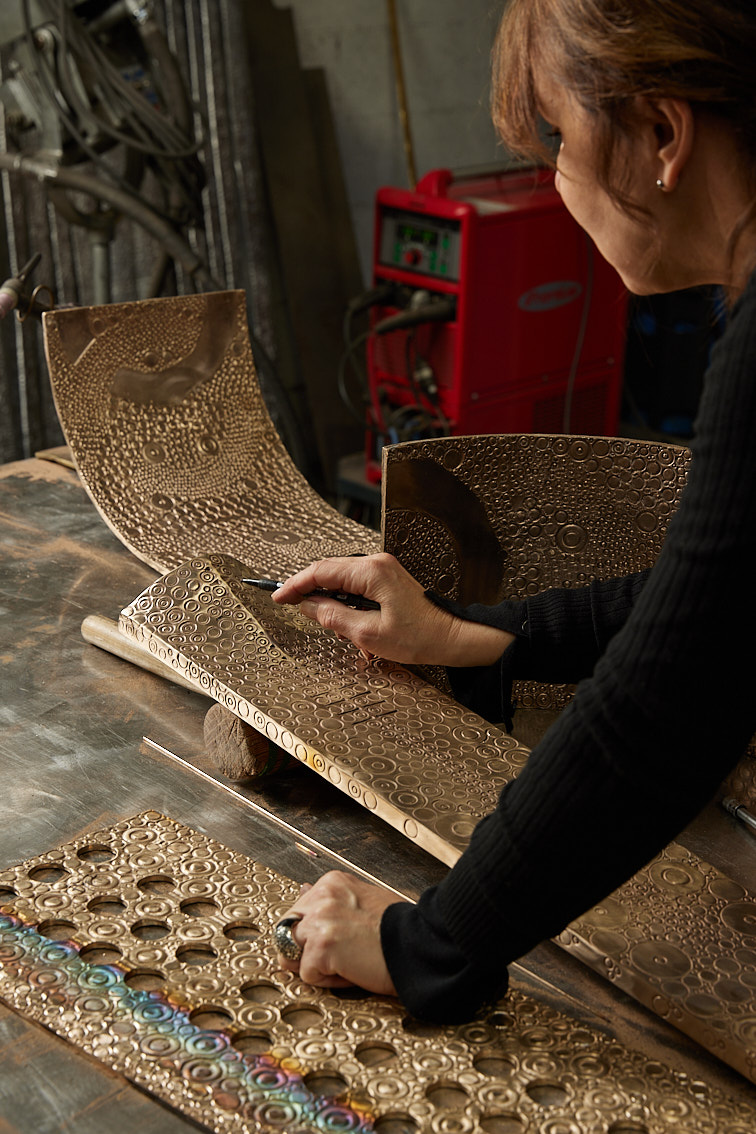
x=357, y=602
x=740, y=812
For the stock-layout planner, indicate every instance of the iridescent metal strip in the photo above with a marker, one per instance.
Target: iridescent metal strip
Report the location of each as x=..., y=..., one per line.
x=162, y=411
x=147, y=945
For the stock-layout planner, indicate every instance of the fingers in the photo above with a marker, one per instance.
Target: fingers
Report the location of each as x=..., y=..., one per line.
x=378, y=577
x=345, y=622
x=328, y=574
x=369, y=575
x=338, y=932
x=407, y=628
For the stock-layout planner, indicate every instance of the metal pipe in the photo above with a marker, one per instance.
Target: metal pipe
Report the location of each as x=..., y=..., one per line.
x=401, y=93
x=172, y=241
x=99, y=246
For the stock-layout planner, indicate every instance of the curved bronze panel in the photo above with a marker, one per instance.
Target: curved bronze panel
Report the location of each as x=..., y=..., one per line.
x=381, y=734
x=148, y=946
x=163, y=414
x=564, y=511
x=429, y=768
x=681, y=937
x=433, y=491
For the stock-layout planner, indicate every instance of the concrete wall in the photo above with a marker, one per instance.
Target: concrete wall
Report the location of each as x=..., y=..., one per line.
x=446, y=48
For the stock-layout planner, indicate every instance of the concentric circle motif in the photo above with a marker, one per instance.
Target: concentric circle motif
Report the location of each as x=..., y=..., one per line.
x=249, y=1043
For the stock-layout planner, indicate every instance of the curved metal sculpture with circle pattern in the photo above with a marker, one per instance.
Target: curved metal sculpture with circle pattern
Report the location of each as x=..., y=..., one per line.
x=416, y=758
x=148, y=946
x=163, y=414
x=518, y=514
x=381, y=734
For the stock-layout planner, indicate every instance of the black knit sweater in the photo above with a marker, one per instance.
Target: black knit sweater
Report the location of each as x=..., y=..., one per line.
x=640, y=749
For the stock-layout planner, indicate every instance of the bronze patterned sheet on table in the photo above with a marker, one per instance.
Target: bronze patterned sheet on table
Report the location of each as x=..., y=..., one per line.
x=162, y=411
x=681, y=937
x=390, y=740
x=147, y=946
x=164, y=416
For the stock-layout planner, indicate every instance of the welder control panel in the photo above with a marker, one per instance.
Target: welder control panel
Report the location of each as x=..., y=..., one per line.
x=415, y=242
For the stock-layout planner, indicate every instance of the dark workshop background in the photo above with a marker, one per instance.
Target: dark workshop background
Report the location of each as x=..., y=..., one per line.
x=297, y=101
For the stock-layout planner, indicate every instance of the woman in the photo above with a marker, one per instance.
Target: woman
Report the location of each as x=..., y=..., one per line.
x=655, y=106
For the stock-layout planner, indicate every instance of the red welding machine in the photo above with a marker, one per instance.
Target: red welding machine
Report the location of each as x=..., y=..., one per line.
x=493, y=313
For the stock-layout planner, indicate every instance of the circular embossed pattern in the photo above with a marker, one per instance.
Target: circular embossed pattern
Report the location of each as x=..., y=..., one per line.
x=378, y=732
x=239, y=1037
x=165, y=419
x=562, y=512
x=682, y=936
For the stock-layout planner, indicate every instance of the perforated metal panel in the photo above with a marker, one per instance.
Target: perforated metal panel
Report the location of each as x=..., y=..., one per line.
x=148, y=946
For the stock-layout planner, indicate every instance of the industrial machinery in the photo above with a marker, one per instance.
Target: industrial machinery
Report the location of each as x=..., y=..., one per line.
x=95, y=107
x=491, y=312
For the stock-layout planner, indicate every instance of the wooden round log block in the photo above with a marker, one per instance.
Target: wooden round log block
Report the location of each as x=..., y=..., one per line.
x=238, y=750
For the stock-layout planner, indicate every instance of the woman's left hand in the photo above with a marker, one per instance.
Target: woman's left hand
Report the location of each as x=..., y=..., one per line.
x=339, y=932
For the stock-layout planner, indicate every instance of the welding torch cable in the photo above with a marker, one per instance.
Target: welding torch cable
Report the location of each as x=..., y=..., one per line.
x=380, y=294
x=56, y=97
x=367, y=419
x=169, y=140
x=60, y=101
x=423, y=394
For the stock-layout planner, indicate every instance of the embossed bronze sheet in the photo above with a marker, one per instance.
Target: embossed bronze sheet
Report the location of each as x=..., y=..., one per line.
x=163, y=414
x=392, y=741
x=514, y=516
x=147, y=945
x=485, y=518
x=680, y=936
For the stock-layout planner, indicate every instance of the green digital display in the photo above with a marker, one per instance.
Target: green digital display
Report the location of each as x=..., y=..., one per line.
x=409, y=234
x=414, y=243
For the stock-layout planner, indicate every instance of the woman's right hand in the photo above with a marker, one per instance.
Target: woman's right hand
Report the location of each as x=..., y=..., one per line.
x=408, y=628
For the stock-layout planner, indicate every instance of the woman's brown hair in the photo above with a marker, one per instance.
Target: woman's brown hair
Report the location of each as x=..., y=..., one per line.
x=607, y=52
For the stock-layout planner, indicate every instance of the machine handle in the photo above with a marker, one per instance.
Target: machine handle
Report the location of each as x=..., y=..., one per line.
x=436, y=183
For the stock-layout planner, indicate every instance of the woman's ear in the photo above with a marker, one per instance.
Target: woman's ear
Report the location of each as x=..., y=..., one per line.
x=674, y=128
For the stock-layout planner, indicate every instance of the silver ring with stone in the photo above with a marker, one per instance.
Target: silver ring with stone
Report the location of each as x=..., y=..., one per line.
x=284, y=939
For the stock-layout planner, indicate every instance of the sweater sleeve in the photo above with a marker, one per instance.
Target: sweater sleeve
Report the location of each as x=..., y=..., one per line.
x=638, y=751
x=559, y=636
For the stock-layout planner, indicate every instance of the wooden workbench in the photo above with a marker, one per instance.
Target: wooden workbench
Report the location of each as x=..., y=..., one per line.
x=72, y=759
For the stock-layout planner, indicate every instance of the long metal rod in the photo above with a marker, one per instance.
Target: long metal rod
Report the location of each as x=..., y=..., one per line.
x=298, y=835
x=313, y=844
x=401, y=93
